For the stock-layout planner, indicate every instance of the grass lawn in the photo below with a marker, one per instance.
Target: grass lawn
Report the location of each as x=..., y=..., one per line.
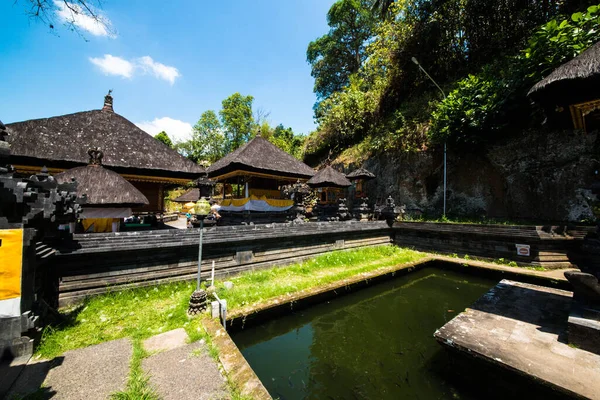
x=144, y=312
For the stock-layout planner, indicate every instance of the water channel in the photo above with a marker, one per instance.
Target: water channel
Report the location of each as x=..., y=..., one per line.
x=375, y=343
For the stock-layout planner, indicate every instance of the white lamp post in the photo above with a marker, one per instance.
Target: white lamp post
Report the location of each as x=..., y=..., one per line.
x=443, y=94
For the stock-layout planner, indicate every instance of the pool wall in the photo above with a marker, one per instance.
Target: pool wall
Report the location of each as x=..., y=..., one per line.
x=96, y=262
x=248, y=316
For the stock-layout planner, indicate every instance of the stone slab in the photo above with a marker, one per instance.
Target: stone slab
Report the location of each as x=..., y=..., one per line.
x=584, y=327
x=521, y=328
x=91, y=373
x=166, y=341
x=186, y=372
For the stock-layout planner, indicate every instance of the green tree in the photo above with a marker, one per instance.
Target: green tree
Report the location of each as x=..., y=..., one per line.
x=208, y=137
x=340, y=53
x=237, y=120
x=163, y=137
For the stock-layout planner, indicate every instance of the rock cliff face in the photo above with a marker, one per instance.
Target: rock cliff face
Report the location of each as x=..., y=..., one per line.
x=535, y=176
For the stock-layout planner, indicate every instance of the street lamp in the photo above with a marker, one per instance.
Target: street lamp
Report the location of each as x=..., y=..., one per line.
x=198, y=298
x=443, y=94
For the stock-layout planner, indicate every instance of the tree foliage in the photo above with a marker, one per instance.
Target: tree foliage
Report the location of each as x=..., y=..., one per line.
x=212, y=138
x=45, y=11
x=163, y=137
x=472, y=46
x=208, y=141
x=237, y=120
x=486, y=102
x=340, y=53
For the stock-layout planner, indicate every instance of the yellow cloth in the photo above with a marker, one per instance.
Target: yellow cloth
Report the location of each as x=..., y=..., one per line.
x=239, y=202
x=100, y=224
x=280, y=203
x=11, y=260
x=188, y=206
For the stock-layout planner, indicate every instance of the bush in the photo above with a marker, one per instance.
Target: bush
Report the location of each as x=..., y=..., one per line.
x=485, y=103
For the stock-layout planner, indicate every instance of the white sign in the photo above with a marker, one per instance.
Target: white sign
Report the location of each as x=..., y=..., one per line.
x=523, y=250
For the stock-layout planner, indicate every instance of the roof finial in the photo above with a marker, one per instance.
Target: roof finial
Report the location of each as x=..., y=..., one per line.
x=95, y=156
x=108, y=102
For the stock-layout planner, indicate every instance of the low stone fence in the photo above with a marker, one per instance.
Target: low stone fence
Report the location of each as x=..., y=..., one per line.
x=113, y=261
x=547, y=246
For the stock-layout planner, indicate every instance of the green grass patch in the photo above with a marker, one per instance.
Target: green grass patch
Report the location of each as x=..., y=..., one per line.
x=258, y=286
x=138, y=387
x=144, y=312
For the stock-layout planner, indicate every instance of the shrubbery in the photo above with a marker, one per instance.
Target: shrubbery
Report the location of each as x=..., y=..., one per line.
x=483, y=104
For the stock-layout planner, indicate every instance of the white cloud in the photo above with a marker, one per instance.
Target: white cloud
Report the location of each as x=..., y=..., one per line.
x=159, y=70
x=112, y=65
x=72, y=13
x=178, y=131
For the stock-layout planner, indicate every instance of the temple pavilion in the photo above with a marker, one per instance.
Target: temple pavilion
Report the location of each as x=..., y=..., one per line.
x=107, y=197
x=253, y=175
x=61, y=143
x=571, y=93
x=330, y=184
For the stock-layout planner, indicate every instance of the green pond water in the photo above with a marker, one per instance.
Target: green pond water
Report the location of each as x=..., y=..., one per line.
x=376, y=343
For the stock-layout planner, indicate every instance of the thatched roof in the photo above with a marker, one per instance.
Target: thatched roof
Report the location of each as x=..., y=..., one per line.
x=578, y=77
x=190, y=195
x=66, y=138
x=361, y=173
x=260, y=155
x=102, y=186
x=328, y=177
x=204, y=181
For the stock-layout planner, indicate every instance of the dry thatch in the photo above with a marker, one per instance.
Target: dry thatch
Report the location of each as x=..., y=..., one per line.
x=361, y=173
x=190, y=195
x=328, y=177
x=260, y=155
x=66, y=138
x=578, y=77
x=103, y=187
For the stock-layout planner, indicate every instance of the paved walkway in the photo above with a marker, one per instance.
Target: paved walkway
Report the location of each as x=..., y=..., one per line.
x=177, y=370
x=180, y=223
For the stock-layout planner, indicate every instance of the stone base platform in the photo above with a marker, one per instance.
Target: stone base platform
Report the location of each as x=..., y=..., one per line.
x=519, y=330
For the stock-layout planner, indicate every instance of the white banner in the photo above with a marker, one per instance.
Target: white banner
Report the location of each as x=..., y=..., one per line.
x=255, y=205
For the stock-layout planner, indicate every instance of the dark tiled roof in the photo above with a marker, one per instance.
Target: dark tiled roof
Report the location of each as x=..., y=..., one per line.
x=360, y=173
x=328, y=177
x=260, y=155
x=102, y=186
x=67, y=138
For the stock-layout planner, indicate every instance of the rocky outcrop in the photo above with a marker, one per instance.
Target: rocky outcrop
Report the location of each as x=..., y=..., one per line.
x=538, y=175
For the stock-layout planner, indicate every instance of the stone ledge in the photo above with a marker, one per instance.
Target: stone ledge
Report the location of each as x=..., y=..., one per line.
x=519, y=329
x=234, y=363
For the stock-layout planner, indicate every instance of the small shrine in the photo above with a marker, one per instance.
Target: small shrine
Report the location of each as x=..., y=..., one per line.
x=204, y=187
x=108, y=196
x=570, y=95
x=330, y=184
x=358, y=178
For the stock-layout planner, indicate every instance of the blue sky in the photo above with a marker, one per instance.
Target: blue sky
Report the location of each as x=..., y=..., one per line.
x=167, y=61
